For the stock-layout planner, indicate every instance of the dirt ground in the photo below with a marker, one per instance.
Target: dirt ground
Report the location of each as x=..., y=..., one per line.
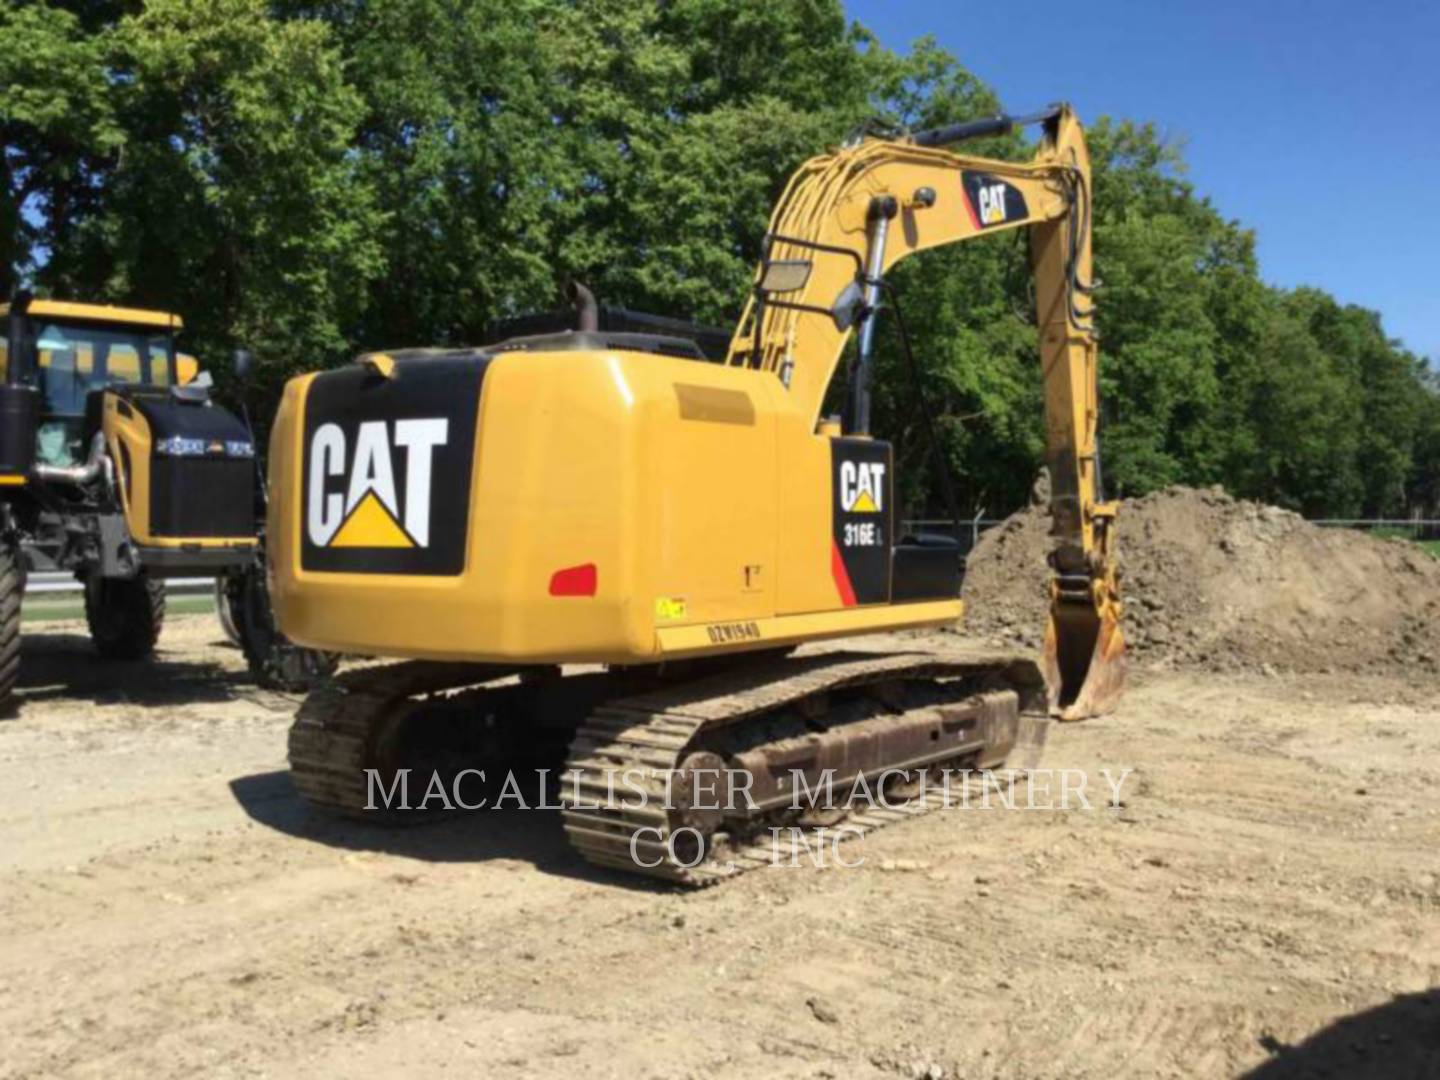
x=1265, y=902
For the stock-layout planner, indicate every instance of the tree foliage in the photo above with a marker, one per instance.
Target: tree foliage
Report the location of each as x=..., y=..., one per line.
x=314, y=178
x=59, y=128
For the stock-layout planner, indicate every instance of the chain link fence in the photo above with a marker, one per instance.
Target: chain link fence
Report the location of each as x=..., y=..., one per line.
x=1424, y=531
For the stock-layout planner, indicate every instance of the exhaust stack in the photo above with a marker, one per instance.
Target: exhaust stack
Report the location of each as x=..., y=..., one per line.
x=587, y=311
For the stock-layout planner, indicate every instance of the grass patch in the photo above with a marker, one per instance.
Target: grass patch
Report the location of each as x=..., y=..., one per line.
x=1400, y=532
x=71, y=606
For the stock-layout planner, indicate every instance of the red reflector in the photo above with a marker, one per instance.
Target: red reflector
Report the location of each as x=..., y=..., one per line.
x=574, y=581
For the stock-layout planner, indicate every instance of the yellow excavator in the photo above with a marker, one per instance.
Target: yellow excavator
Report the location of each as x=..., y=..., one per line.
x=597, y=540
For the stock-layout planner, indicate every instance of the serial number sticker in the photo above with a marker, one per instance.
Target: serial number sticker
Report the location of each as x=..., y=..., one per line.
x=669, y=608
x=726, y=632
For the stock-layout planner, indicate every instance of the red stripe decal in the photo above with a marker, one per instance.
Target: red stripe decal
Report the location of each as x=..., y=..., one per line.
x=841, y=575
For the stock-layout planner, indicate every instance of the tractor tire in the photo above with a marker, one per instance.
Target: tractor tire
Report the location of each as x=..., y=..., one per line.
x=12, y=590
x=275, y=662
x=225, y=609
x=125, y=615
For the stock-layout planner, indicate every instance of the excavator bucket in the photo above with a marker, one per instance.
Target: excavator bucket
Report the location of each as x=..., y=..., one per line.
x=1084, y=661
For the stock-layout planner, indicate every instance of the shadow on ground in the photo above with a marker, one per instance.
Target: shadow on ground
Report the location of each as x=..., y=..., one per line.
x=532, y=835
x=63, y=665
x=1399, y=1040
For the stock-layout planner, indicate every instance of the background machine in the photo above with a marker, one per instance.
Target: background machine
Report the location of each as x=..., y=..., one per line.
x=116, y=464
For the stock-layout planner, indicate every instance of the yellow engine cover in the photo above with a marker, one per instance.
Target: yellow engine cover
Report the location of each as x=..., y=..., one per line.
x=582, y=505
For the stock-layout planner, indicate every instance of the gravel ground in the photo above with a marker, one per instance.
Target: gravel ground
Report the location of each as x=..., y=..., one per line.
x=1264, y=901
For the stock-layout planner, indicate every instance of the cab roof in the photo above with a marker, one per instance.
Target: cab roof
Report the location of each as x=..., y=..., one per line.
x=65, y=309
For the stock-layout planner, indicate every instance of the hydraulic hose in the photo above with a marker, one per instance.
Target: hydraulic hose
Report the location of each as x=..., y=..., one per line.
x=937, y=452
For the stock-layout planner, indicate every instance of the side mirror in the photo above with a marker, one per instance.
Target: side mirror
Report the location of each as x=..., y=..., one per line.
x=848, y=306
x=241, y=360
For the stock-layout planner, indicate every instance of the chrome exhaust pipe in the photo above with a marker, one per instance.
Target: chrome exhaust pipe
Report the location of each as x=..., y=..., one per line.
x=92, y=470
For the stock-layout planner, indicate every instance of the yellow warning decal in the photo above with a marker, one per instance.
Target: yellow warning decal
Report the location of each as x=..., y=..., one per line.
x=370, y=525
x=669, y=608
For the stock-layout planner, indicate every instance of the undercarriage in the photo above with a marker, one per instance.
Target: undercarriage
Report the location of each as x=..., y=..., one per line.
x=684, y=775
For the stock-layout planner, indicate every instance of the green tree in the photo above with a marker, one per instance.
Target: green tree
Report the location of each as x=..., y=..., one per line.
x=238, y=200
x=636, y=147
x=1159, y=253
x=1384, y=379
x=453, y=139
x=59, y=130
x=1305, y=421
x=1423, y=484
x=313, y=178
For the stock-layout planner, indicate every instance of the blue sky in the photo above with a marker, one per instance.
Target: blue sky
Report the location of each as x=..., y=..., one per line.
x=1314, y=123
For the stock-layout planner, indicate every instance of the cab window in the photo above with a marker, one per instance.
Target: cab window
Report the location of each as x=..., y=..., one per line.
x=74, y=360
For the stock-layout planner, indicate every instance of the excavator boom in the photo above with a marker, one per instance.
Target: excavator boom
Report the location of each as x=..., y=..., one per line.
x=848, y=217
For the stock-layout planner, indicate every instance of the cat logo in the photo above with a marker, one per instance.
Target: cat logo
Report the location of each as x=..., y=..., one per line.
x=366, y=510
x=862, y=486
x=991, y=198
x=991, y=201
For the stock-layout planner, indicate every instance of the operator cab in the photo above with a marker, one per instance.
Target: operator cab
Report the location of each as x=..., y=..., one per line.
x=74, y=352
x=76, y=362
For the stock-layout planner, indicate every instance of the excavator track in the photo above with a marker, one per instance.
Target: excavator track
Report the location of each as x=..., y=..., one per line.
x=640, y=733
x=341, y=728
x=620, y=813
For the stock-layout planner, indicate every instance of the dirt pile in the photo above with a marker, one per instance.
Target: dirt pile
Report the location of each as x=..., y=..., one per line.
x=1221, y=583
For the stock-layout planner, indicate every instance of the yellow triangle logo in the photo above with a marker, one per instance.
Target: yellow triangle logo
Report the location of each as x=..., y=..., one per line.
x=371, y=526
x=864, y=504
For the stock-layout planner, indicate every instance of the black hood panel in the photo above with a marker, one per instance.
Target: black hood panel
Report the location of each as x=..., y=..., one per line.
x=386, y=466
